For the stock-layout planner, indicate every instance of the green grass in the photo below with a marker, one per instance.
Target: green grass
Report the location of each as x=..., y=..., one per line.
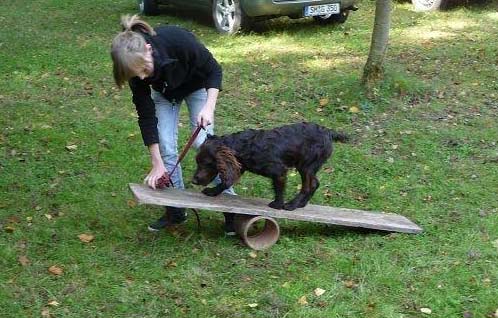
x=424, y=147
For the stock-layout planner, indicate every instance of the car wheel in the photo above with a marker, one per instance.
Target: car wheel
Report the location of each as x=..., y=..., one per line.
x=228, y=16
x=429, y=5
x=332, y=18
x=148, y=7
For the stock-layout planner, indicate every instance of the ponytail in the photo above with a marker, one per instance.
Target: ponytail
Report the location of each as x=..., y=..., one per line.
x=134, y=24
x=128, y=48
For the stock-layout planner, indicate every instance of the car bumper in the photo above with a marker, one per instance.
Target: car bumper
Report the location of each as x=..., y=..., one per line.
x=256, y=8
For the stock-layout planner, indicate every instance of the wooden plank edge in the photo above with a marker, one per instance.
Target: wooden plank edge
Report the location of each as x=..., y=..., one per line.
x=408, y=227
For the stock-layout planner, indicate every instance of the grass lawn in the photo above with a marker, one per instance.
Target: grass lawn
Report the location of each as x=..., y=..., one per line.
x=425, y=146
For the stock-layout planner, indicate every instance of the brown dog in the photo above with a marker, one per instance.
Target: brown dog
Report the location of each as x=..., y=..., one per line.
x=270, y=153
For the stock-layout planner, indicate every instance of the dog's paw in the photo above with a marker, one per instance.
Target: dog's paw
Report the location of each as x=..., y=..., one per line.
x=290, y=206
x=210, y=192
x=276, y=205
x=302, y=205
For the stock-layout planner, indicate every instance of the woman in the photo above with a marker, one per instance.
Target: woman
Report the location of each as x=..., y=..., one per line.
x=163, y=67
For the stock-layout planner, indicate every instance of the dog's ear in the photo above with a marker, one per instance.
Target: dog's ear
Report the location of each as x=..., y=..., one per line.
x=228, y=166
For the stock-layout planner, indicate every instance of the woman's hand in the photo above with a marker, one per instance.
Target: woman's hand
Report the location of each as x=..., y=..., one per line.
x=206, y=115
x=154, y=175
x=158, y=169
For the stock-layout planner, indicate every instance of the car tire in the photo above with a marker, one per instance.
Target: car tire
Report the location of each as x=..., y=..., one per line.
x=148, y=7
x=228, y=16
x=429, y=5
x=332, y=18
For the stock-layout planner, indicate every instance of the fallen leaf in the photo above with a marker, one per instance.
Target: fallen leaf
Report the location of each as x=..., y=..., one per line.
x=86, y=238
x=23, y=260
x=48, y=216
x=132, y=203
x=204, y=302
x=426, y=311
x=302, y=301
x=324, y=102
x=9, y=229
x=13, y=219
x=349, y=284
x=286, y=285
x=253, y=254
x=170, y=263
x=354, y=109
x=252, y=305
x=53, y=303
x=71, y=147
x=45, y=313
x=55, y=270
x=247, y=279
x=319, y=292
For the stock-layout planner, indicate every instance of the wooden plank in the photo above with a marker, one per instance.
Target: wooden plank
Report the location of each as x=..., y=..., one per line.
x=256, y=206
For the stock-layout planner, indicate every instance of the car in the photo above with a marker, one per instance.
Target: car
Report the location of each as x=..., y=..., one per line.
x=230, y=16
x=429, y=5
x=434, y=5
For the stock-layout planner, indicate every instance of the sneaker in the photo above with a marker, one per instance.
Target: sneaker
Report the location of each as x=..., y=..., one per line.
x=229, y=226
x=172, y=216
x=230, y=191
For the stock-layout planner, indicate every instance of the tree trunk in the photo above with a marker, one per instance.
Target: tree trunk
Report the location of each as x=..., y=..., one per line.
x=374, y=70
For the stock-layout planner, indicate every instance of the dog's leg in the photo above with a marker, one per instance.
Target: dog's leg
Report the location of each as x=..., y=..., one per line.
x=314, y=184
x=279, y=188
x=214, y=191
x=308, y=187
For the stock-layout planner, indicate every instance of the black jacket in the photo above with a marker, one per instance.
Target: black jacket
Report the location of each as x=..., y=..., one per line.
x=182, y=65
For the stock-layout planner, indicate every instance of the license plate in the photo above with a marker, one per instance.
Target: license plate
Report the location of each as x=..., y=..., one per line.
x=322, y=9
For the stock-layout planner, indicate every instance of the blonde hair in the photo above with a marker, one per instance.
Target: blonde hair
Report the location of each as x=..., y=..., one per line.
x=128, y=48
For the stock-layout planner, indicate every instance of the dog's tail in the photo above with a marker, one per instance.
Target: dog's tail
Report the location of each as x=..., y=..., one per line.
x=339, y=136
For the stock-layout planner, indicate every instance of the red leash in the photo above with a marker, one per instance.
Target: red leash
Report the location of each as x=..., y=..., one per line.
x=165, y=180
x=186, y=148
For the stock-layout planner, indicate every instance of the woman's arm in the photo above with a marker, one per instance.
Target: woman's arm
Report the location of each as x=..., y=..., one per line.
x=148, y=126
x=146, y=111
x=206, y=115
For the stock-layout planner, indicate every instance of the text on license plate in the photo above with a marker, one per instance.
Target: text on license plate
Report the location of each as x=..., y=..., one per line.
x=322, y=9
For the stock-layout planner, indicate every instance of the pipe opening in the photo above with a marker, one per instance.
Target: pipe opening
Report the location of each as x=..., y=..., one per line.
x=257, y=232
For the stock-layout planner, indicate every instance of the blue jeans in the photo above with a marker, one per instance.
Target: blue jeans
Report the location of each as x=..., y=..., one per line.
x=168, y=114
